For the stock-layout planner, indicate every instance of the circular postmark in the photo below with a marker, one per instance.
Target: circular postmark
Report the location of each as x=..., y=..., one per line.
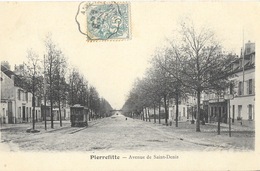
x=107, y=20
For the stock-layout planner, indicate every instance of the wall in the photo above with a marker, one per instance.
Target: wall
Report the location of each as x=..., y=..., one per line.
x=7, y=87
x=3, y=113
x=182, y=114
x=245, y=99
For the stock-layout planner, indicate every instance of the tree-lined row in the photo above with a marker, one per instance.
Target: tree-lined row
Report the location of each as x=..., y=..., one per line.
x=51, y=80
x=189, y=64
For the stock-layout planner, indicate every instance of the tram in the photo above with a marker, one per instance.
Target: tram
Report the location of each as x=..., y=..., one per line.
x=79, y=116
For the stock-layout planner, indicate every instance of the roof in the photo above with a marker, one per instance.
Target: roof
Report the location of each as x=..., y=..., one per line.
x=247, y=64
x=18, y=81
x=7, y=71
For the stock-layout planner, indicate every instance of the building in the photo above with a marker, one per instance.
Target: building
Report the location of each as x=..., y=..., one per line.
x=243, y=104
x=16, y=102
x=7, y=96
x=239, y=98
x=185, y=108
x=65, y=112
x=185, y=112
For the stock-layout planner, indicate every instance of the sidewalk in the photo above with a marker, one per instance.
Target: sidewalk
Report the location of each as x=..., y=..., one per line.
x=234, y=127
x=41, y=125
x=242, y=138
x=38, y=125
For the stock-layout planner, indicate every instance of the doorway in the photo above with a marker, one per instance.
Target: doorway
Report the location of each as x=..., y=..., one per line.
x=239, y=111
x=24, y=114
x=233, y=114
x=10, y=113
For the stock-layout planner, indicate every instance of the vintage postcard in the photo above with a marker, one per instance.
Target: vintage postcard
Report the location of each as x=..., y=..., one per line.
x=129, y=85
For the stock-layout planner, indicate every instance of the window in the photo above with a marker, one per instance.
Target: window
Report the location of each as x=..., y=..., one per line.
x=253, y=86
x=27, y=112
x=248, y=50
x=19, y=94
x=231, y=88
x=19, y=112
x=3, y=112
x=239, y=111
x=250, y=86
x=35, y=101
x=240, y=88
x=26, y=96
x=184, y=112
x=240, y=63
x=250, y=117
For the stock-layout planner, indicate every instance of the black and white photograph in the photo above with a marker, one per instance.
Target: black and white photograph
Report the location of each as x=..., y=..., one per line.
x=123, y=85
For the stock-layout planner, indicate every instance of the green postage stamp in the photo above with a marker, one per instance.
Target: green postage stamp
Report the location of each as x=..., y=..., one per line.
x=104, y=20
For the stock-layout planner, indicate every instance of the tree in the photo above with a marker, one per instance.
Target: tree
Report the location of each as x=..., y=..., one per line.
x=105, y=107
x=33, y=79
x=161, y=64
x=203, y=66
x=80, y=92
x=176, y=90
x=154, y=90
x=59, y=83
x=94, y=102
x=132, y=105
x=52, y=62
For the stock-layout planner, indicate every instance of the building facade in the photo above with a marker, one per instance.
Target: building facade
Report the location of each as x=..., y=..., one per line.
x=16, y=102
x=239, y=98
x=65, y=112
x=186, y=110
x=243, y=104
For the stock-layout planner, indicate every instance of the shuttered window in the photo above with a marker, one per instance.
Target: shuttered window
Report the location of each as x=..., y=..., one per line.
x=247, y=87
x=250, y=86
x=253, y=86
x=240, y=88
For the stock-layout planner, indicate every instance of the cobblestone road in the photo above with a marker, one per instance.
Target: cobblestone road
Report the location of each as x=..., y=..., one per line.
x=108, y=134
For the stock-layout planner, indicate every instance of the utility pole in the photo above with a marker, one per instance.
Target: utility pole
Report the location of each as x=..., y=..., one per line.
x=243, y=64
x=177, y=92
x=219, y=116
x=229, y=119
x=44, y=90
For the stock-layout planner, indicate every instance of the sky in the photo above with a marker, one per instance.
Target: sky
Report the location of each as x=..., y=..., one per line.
x=113, y=66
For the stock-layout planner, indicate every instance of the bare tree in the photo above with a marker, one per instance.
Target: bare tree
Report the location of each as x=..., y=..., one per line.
x=203, y=67
x=59, y=83
x=52, y=56
x=34, y=79
x=161, y=64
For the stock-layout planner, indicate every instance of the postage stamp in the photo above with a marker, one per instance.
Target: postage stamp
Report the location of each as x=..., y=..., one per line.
x=106, y=20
